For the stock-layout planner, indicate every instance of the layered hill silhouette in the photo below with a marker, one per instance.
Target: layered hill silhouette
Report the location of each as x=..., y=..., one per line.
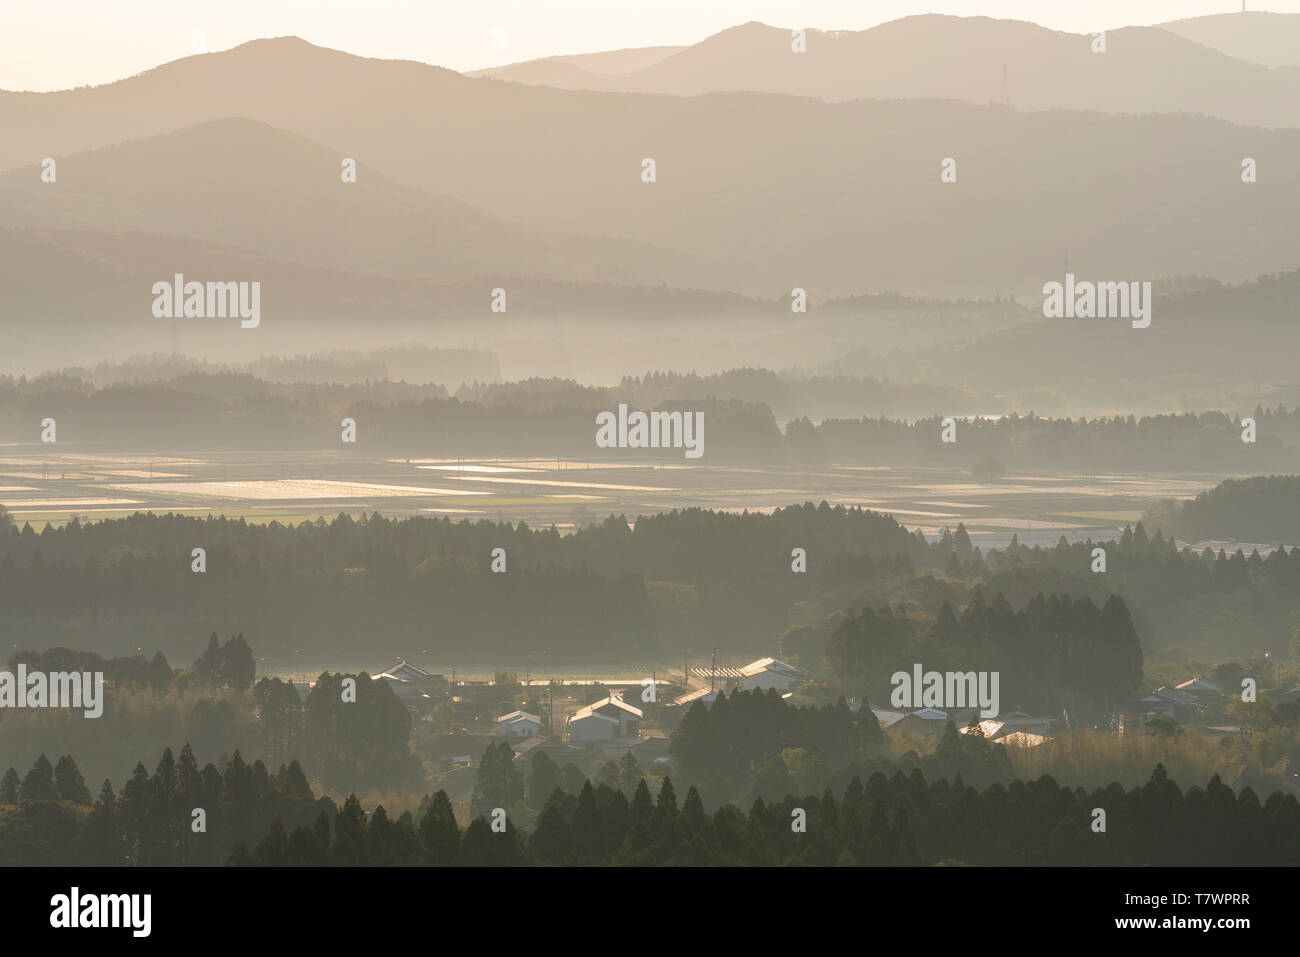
x=1144, y=69
x=578, y=71
x=1271, y=39
x=77, y=296
x=1236, y=340
x=242, y=183
x=82, y=275
x=837, y=198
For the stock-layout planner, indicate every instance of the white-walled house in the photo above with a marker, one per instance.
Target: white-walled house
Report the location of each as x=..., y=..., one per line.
x=608, y=718
x=518, y=724
x=768, y=673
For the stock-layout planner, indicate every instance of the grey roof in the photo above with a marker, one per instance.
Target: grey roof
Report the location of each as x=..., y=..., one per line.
x=1199, y=684
x=406, y=672
x=770, y=664
x=707, y=695
x=549, y=746
x=1170, y=694
x=887, y=718
x=612, y=700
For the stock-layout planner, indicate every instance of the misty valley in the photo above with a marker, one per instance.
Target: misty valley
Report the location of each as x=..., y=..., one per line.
x=358, y=509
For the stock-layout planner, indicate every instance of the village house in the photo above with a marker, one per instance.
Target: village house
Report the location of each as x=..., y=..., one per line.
x=1277, y=696
x=707, y=695
x=553, y=748
x=412, y=685
x=1014, y=728
x=647, y=750
x=518, y=724
x=651, y=750
x=762, y=674
x=886, y=718
x=926, y=722
x=1023, y=739
x=1200, y=689
x=766, y=673
x=1200, y=685
x=1169, y=703
x=607, y=718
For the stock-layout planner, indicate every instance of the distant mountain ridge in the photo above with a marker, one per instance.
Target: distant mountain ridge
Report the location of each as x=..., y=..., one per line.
x=245, y=184
x=1270, y=39
x=755, y=193
x=1143, y=69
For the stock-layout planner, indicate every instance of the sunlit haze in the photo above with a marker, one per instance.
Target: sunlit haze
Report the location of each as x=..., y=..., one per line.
x=57, y=44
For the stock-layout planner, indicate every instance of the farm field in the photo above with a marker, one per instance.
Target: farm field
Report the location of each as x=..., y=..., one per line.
x=39, y=487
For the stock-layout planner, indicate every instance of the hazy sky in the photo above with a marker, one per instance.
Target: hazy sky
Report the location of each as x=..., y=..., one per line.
x=56, y=44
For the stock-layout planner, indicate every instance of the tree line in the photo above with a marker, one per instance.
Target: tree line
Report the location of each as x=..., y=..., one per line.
x=251, y=817
x=608, y=592
x=1264, y=509
x=317, y=585
x=1055, y=649
x=359, y=740
x=547, y=418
